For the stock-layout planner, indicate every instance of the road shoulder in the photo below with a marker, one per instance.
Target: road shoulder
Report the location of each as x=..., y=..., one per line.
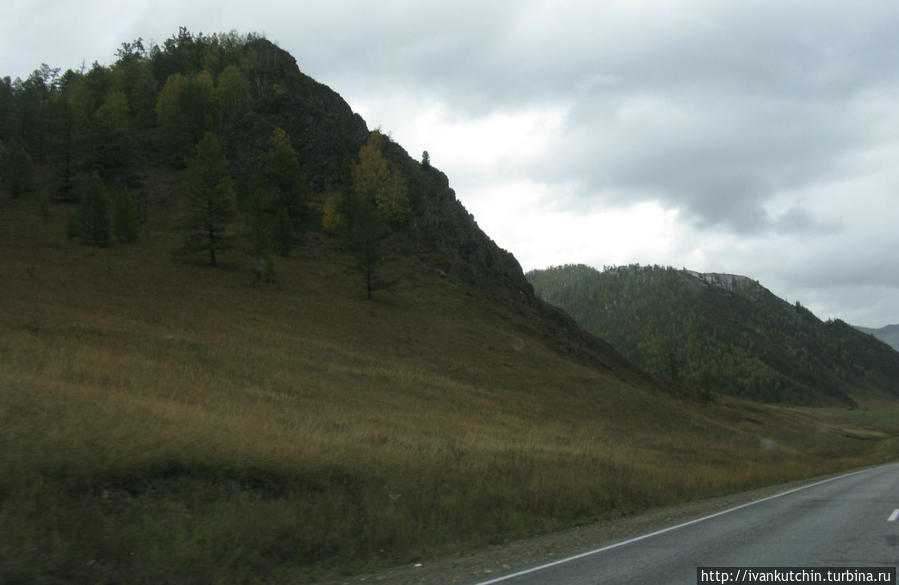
x=494, y=561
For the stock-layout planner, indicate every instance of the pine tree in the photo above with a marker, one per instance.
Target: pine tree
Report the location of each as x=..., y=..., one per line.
x=210, y=201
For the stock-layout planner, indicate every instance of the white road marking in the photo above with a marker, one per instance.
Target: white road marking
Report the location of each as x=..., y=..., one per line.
x=893, y=516
x=670, y=528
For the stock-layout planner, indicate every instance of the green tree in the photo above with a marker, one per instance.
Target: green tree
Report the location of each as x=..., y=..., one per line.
x=283, y=178
x=184, y=110
x=232, y=97
x=174, y=137
x=92, y=217
x=62, y=124
x=111, y=146
x=379, y=199
x=211, y=206
x=367, y=231
x=197, y=104
x=132, y=74
x=258, y=234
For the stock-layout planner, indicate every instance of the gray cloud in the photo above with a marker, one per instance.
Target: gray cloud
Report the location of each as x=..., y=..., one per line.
x=709, y=107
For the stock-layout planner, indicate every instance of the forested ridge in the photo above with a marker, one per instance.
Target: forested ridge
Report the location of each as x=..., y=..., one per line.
x=235, y=153
x=721, y=333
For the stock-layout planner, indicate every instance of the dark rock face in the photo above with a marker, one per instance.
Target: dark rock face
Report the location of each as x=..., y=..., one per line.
x=441, y=219
x=328, y=135
x=325, y=132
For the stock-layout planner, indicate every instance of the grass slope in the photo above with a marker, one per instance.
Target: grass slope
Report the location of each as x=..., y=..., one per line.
x=170, y=423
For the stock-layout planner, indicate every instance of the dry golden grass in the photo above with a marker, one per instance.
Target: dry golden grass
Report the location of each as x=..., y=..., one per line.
x=169, y=423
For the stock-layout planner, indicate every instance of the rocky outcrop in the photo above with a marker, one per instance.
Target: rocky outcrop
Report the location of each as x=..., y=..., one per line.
x=325, y=132
x=328, y=135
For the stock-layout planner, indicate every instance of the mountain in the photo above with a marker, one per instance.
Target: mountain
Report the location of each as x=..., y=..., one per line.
x=888, y=334
x=722, y=332
x=245, y=339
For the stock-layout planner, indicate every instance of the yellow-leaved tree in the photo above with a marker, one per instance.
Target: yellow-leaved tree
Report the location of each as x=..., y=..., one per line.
x=374, y=181
x=380, y=199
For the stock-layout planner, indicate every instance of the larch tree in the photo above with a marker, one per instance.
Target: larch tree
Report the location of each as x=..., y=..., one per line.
x=258, y=233
x=232, y=97
x=173, y=134
x=211, y=205
x=110, y=138
x=283, y=178
x=375, y=181
x=380, y=199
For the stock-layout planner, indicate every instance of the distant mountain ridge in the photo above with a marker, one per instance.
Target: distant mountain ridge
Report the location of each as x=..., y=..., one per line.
x=888, y=334
x=722, y=332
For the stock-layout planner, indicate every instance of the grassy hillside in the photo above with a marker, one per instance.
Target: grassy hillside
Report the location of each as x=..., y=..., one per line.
x=164, y=422
x=724, y=333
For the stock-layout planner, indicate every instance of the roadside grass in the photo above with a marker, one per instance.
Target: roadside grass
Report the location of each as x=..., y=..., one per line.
x=163, y=422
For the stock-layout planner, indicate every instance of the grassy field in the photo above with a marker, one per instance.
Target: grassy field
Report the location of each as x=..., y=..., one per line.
x=163, y=422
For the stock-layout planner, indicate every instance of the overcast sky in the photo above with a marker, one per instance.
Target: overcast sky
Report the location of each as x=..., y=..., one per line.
x=752, y=137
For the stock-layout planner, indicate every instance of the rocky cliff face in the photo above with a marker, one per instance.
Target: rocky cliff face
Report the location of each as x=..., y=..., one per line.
x=328, y=135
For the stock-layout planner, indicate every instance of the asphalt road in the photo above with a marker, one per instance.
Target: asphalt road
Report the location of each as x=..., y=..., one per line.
x=851, y=520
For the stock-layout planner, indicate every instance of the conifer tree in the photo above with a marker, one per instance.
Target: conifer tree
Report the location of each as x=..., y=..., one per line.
x=379, y=200
x=232, y=97
x=211, y=205
x=367, y=231
x=285, y=181
x=110, y=139
x=173, y=134
x=258, y=233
